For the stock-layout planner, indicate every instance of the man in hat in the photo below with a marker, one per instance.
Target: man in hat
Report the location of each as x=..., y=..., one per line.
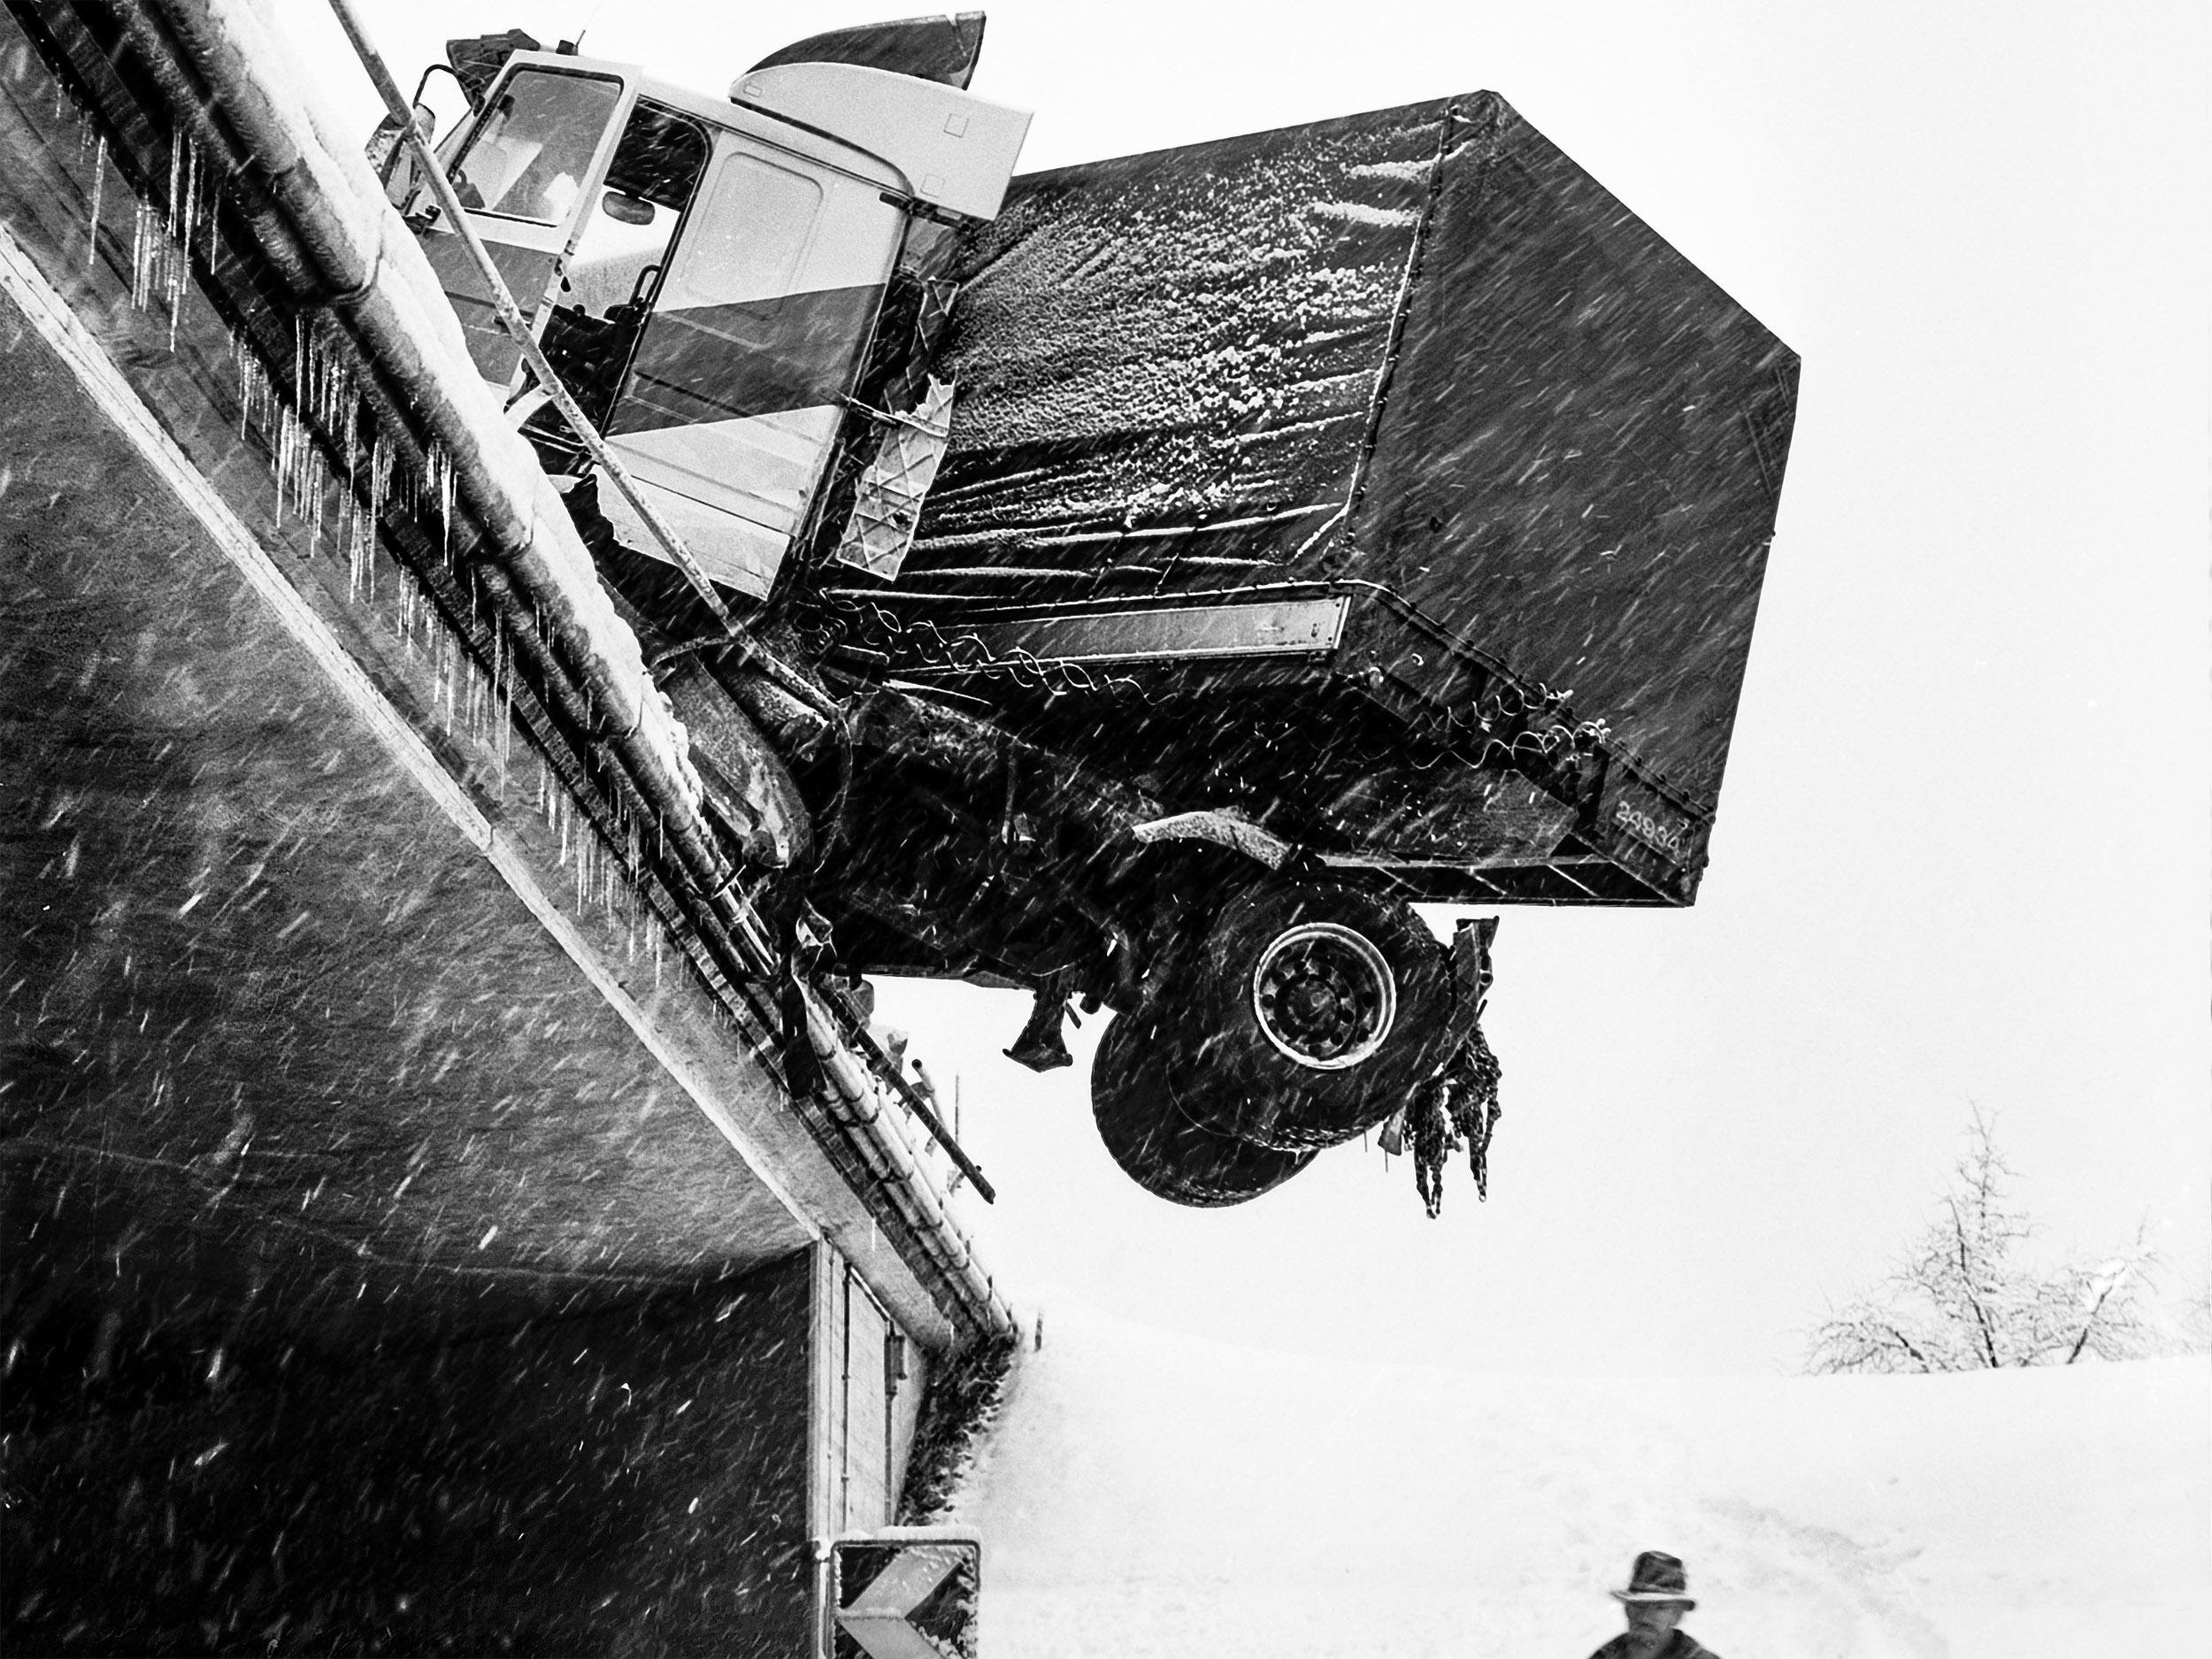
x=1656, y=1597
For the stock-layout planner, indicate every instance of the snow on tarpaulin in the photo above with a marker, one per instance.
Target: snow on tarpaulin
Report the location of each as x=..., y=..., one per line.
x=1143, y=1493
x=1177, y=340
x=1419, y=348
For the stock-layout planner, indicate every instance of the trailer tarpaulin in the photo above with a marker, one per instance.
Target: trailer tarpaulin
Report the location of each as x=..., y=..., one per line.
x=1419, y=348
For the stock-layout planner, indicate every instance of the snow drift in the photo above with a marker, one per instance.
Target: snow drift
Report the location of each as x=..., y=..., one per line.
x=1147, y=1493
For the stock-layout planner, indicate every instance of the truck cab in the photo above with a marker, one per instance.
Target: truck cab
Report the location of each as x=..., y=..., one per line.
x=706, y=274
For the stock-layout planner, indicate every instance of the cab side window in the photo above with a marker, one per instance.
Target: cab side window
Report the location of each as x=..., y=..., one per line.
x=649, y=184
x=607, y=286
x=752, y=231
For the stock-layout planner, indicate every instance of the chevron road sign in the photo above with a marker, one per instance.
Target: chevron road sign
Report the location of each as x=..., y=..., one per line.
x=905, y=1593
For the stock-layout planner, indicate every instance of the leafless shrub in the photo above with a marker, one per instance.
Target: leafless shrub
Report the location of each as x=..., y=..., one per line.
x=1962, y=1298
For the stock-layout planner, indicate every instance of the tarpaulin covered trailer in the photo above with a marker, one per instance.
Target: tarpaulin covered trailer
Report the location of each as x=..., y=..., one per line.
x=1405, y=403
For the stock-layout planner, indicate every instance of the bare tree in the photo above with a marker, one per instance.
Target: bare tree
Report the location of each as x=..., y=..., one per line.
x=2189, y=1320
x=1963, y=1299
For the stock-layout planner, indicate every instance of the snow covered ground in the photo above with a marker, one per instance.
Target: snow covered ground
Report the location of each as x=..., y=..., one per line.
x=1150, y=1494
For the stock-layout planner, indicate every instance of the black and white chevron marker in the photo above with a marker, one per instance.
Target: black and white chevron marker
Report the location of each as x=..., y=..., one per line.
x=905, y=1593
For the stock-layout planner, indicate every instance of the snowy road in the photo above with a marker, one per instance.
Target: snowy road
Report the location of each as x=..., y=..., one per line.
x=1147, y=1493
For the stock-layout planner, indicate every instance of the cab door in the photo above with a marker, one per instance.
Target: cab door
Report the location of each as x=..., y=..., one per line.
x=731, y=404
x=525, y=173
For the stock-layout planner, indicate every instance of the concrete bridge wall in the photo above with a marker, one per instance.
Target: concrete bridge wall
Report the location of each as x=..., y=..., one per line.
x=629, y=1480
x=400, y=1247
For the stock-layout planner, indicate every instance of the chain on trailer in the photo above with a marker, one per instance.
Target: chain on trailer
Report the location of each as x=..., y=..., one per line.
x=868, y=627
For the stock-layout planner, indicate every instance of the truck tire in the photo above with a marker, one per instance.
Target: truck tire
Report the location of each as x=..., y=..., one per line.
x=1158, y=1144
x=1322, y=1003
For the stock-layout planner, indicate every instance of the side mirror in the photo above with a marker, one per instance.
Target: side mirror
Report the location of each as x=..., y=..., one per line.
x=629, y=210
x=393, y=161
x=442, y=109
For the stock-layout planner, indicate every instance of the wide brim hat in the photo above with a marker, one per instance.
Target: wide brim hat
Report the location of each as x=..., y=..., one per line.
x=1656, y=1577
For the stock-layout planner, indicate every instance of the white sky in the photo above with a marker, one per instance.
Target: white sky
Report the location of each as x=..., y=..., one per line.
x=1961, y=854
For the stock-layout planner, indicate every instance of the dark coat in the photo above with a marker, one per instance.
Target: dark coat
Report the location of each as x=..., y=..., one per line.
x=1680, y=1645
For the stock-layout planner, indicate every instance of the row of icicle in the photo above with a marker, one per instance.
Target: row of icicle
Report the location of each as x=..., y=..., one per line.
x=322, y=402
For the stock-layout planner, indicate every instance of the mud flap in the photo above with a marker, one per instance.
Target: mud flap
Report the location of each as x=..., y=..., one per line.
x=1042, y=1045
x=1469, y=955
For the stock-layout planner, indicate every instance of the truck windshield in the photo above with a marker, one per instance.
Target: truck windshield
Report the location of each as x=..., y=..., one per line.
x=529, y=155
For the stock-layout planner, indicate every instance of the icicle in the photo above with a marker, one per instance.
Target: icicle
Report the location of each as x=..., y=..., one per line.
x=99, y=188
x=214, y=213
x=141, y=255
x=352, y=424
x=247, y=369
x=380, y=472
x=445, y=508
x=351, y=531
x=379, y=495
x=183, y=161
x=301, y=411
x=503, y=688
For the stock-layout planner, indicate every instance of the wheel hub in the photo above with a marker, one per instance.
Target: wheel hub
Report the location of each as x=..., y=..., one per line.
x=1324, y=995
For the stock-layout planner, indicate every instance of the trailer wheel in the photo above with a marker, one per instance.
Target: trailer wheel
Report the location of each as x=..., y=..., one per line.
x=1325, y=1002
x=1157, y=1143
